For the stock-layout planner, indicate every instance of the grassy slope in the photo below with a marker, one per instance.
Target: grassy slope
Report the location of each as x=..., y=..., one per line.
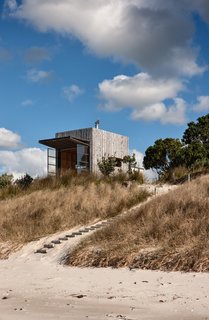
x=170, y=232
x=37, y=213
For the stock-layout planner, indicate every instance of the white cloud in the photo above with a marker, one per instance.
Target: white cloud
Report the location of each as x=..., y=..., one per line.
x=150, y=175
x=72, y=92
x=10, y=5
x=28, y=160
x=34, y=75
x=27, y=103
x=146, y=97
x=139, y=157
x=9, y=139
x=175, y=114
x=202, y=104
x=184, y=63
x=139, y=90
x=202, y=6
x=36, y=55
x=154, y=34
x=150, y=112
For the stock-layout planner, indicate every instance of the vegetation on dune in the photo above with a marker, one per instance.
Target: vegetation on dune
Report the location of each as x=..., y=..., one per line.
x=163, y=155
x=170, y=232
x=54, y=204
x=27, y=185
x=190, y=153
x=108, y=164
x=5, y=180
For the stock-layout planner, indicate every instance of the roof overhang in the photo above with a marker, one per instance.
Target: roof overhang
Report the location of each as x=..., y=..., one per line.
x=64, y=142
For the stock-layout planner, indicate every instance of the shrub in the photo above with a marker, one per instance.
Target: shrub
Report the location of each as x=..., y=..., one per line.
x=131, y=161
x=107, y=165
x=24, y=182
x=5, y=180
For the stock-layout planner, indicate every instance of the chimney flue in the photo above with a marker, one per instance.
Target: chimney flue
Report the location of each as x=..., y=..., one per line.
x=97, y=124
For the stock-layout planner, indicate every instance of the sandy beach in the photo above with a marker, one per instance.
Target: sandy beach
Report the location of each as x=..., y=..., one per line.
x=34, y=286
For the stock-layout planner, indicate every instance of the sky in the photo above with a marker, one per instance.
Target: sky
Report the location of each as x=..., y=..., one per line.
x=139, y=66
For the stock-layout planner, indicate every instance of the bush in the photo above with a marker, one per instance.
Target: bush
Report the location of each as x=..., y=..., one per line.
x=107, y=165
x=5, y=180
x=24, y=182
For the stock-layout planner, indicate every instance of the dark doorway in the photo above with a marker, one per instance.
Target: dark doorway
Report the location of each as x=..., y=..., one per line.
x=67, y=160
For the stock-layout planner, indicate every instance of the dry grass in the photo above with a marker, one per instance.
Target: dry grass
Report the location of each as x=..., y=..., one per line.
x=170, y=232
x=68, y=180
x=39, y=213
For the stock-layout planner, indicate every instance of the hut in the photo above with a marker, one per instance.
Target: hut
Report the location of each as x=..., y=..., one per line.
x=81, y=149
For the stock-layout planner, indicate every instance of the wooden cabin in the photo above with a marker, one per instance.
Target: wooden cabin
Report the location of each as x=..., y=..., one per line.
x=81, y=149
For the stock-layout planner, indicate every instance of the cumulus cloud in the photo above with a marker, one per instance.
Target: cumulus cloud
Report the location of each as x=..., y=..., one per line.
x=9, y=139
x=202, y=104
x=139, y=90
x=23, y=160
x=154, y=34
x=146, y=97
x=201, y=6
x=34, y=75
x=35, y=55
x=10, y=5
x=176, y=113
x=72, y=92
x=173, y=114
x=139, y=157
x=28, y=160
x=150, y=175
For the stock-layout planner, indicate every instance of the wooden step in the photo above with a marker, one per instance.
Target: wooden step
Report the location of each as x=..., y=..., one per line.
x=56, y=241
x=49, y=246
x=43, y=251
x=77, y=233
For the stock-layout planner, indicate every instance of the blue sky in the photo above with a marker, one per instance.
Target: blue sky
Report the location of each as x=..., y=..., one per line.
x=140, y=67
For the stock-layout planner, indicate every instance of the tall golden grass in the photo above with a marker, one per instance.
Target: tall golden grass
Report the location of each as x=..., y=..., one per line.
x=46, y=209
x=170, y=232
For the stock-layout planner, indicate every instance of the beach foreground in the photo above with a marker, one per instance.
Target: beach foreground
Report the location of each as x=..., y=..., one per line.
x=32, y=287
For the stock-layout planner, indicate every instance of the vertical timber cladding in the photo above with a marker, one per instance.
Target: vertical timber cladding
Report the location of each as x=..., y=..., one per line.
x=107, y=143
x=85, y=134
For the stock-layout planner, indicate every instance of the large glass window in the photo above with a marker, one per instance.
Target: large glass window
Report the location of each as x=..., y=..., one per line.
x=82, y=158
x=51, y=161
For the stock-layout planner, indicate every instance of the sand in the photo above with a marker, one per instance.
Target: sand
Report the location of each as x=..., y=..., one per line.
x=35, y=286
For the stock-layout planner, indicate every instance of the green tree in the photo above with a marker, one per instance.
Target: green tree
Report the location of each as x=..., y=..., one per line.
x=107, y=165
x=198, y=132
x=131, y=161
x=193, y=154
x=163, y=155
x=196, y=142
